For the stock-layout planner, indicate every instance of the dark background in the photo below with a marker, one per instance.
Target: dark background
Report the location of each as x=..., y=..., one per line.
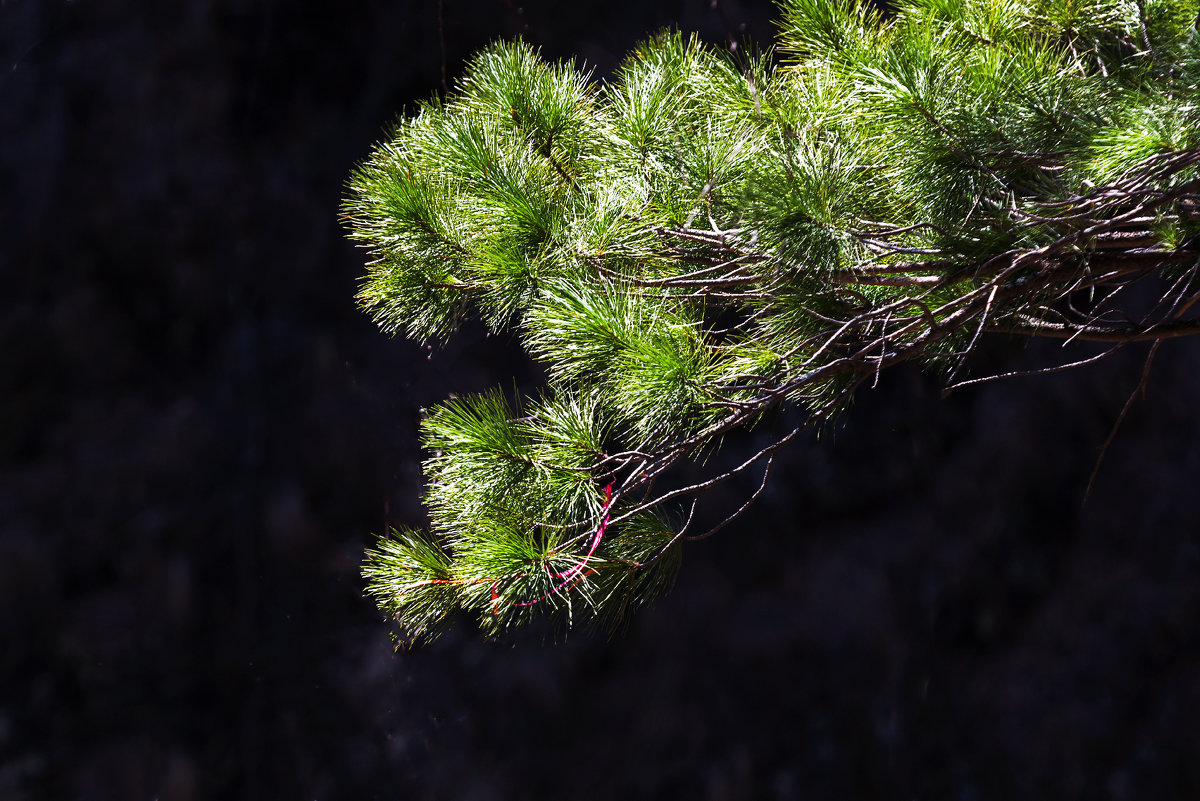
x=199, y=433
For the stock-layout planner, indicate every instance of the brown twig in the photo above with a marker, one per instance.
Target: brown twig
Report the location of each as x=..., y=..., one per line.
x=1140, y=389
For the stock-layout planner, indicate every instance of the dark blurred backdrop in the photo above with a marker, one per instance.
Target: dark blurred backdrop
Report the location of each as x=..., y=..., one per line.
x=199, y=433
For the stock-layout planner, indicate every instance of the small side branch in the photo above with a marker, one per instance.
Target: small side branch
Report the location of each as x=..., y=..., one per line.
x=1095, y=333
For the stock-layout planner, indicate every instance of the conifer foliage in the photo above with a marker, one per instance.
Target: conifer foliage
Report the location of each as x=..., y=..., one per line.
x=705, y=239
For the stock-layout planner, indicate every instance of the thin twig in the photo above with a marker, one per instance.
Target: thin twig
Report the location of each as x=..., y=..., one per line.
x=749, y=501
x=1058, y=368
x=1140, y=389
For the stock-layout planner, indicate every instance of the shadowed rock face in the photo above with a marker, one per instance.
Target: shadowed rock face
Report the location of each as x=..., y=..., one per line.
x=199, y=433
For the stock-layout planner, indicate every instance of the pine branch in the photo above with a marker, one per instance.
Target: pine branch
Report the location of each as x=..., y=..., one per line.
x=697, y=243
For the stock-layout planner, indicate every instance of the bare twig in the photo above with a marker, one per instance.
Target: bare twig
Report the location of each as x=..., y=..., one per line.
x=1140, y=389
